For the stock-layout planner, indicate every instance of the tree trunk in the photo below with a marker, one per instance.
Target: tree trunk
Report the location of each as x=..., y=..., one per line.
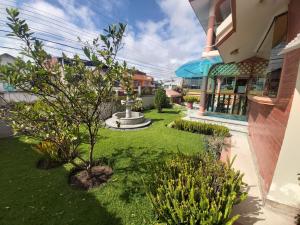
x=91, y=158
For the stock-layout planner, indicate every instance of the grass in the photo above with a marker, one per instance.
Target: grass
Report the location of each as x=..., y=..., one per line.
x=31, y=196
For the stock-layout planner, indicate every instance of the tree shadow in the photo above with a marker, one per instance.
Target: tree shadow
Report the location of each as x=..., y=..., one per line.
x=249, y=210
x=170, y=112
x=297, y=219
x=134, y=167
x=156, y=120
x=33, y=196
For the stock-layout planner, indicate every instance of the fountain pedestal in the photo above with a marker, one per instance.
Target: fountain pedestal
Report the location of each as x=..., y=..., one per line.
x=128, y=119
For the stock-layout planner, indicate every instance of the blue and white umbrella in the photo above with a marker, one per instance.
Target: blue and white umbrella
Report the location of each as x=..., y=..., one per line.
x=197, y=68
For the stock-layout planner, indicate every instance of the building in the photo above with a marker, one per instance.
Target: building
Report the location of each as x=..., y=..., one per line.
x=143, y=83
x=174, y=96
x=7, y=92
x=142, y=79
x=259, y=42
x=172, y=83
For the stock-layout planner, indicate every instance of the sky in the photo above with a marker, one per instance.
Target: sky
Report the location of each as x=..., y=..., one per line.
x=161, y=34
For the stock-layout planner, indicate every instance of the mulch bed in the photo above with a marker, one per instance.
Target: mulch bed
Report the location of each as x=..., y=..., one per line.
x=83, y=180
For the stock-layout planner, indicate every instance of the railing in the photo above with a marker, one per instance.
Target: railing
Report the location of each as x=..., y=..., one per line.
x=227, y=103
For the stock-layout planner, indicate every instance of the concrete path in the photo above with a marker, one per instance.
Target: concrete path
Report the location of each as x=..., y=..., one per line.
x=252, y=210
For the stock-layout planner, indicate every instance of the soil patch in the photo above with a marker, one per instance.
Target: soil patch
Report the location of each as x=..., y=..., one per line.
x=82, y=179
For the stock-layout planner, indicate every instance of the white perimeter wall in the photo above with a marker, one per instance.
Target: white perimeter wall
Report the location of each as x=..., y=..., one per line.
x=285, y=187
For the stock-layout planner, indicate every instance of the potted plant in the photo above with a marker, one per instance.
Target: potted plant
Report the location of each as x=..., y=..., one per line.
x=190, y=100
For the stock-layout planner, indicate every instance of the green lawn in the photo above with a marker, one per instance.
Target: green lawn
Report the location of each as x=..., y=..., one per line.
x=31, y=196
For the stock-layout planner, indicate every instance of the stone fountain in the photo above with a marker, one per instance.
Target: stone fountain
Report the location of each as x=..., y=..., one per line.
x=128, y=119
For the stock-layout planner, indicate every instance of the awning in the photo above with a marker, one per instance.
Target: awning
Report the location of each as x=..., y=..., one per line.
x=239, y=69
x=197, y=68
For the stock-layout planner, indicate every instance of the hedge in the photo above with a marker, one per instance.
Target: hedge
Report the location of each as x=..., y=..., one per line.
x=201, y=128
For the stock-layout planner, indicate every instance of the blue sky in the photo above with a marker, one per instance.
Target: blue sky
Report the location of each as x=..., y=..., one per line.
x=161, y=34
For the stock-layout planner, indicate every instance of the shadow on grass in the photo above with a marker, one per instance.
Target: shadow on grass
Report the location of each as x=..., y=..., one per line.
x=33, y=196
x=156, y=120
x=165, y=111
x=133, y=165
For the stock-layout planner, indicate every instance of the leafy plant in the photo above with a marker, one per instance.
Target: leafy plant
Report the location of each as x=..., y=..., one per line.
x=160, y=99
x=49, y=151
x=201, y=128
x=195, y=190
x=138, y=105
x=74, y=93
x=191, y=99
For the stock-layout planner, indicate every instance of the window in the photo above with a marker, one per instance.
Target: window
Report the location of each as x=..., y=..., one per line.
x=223, y=10
x=228, y=84
x=192, y=83
x=267, y=84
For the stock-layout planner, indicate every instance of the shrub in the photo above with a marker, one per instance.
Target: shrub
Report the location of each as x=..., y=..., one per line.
x=57, y=152
x=201, y=128
x=38, y=120
x=195, y=190
x=160, y=99
x=138, y=105
x=147, y=91
x=215, y=145
x=191, y=99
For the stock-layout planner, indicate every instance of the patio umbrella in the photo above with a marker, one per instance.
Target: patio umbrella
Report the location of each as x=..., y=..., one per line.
x=197, y=68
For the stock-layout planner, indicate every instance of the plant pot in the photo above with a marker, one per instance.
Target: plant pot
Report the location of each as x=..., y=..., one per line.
x=189, y=105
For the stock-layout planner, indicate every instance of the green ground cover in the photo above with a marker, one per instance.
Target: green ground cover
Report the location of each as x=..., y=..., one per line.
x=40, y=197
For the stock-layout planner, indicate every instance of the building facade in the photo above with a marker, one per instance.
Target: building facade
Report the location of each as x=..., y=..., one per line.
x=263, y=32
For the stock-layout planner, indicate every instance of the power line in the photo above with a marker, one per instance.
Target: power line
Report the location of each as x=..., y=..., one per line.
x=152, y=66
x=64, y=50
x=64, y=30
x=58, y=18
x=66, y=45
x=153, y=40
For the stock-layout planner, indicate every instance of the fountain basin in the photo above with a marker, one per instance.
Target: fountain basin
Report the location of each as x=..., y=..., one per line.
x=119, y=121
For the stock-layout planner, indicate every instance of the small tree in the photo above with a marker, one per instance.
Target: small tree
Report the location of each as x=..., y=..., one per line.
x=160, y=99
x=73, y=92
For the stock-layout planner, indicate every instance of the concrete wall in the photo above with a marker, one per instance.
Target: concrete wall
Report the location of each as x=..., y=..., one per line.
x=285, y=187
x=16, y=96
x=148, y=101
x=5, y=130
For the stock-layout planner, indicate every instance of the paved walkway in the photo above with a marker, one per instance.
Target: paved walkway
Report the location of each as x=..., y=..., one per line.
x=252, y=210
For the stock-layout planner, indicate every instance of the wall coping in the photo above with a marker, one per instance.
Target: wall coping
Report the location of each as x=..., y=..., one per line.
x=263, y=100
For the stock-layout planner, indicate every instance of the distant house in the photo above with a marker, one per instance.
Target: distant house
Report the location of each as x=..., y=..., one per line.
x=172, y=84
x=7, y=92
x=175, y=97
x=5, y=59
x=142, y=79
x=143, y=83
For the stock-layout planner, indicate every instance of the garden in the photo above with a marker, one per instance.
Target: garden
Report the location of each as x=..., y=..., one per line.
x=64, y=166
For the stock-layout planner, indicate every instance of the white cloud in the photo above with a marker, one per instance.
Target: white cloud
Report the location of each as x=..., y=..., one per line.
x=159, y=46
x=168, y=43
